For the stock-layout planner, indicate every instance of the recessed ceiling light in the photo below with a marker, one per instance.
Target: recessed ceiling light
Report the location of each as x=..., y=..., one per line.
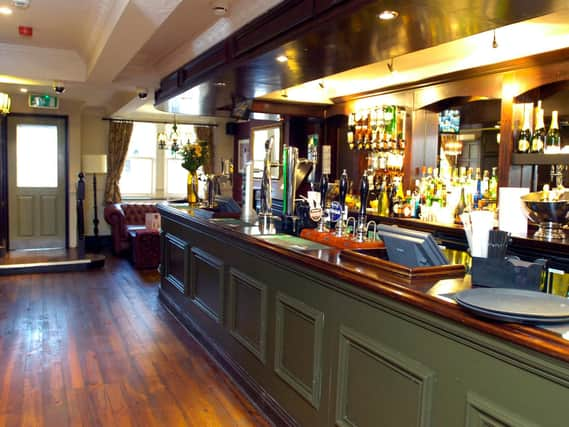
x=282, y=58
x=23, y=90
x=386, y=15
x=4, y=10
x=220, y=84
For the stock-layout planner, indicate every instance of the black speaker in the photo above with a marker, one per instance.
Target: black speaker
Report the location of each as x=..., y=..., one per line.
x=230, y=128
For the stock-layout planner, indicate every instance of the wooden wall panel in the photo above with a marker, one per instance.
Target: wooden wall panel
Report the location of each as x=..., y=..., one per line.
x=398, y=390
x=298, y=347
x=247, y=316
x=176, y=254
x=207, y=283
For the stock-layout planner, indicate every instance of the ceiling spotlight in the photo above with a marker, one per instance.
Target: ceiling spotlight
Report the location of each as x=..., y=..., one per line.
x=321, y=84
x=282, y=58
x=388, y=15
x=22, y=4
x=220, y=84
x=284, y=94
x=4, y=10
x=220, y=7
x=494, y=42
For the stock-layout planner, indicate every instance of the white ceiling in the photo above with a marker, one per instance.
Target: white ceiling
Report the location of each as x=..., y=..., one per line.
x=104, y=50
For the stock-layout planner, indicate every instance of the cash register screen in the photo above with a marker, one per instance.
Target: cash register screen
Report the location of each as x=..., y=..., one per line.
x=410, y=247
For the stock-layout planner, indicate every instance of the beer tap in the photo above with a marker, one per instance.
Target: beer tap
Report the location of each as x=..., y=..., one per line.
x=266, y=194
x=361, y=226
x=340, y=226
x=323, y=191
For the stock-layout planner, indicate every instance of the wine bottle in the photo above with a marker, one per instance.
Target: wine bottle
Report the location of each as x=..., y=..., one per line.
x=553, y=138
x=538, y=137
x=524, y=139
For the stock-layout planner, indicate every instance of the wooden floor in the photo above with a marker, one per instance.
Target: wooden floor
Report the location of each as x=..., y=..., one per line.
x=98, y=349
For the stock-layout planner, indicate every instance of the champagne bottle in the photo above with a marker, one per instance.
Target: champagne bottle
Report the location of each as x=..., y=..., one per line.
x=460, y=207
x=524, y=139
x=553, y=138
x=538, y=138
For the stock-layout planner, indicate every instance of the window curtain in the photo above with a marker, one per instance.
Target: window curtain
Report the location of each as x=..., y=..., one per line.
x=119, y=138
x=205, y=134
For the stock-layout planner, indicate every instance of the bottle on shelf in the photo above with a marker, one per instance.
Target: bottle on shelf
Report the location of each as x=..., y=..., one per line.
x=383, y=204
x=538, y=137
x=351, y=131
x=460, y=207
x=553, y=137
x=524, y=139
x=493, y=185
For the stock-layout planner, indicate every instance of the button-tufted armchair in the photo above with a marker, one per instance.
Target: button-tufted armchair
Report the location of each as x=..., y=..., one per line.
x=124, y=217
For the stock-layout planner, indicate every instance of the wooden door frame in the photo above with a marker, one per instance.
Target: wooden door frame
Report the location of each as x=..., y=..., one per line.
x=4, y=217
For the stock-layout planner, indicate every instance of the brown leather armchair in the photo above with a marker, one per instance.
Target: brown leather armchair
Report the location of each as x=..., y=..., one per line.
x=124, y=217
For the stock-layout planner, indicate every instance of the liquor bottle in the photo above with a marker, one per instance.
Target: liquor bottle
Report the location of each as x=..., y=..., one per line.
x=398, y=199
x=538, y=137
x=553, y=138
x=460, y=207
x=478, y=191
x=351, y=131
x=524, y=139
x=493, y=185
x=384, y=199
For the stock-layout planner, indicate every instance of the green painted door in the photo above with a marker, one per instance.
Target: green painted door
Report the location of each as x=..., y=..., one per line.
x=36, y=182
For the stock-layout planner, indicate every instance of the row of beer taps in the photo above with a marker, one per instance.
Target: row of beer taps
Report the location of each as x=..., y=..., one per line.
x=360, y=227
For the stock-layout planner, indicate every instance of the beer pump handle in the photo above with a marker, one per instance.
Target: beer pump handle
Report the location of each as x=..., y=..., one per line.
x=343, y=188
x=323, y=190
x=364, y=191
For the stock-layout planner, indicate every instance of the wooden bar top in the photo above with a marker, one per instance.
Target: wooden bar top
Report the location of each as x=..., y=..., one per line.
x=426, y=296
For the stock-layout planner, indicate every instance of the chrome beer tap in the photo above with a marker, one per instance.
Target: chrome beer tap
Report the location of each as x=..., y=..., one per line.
x=266, y=192
x=361, y=227
x=340, y=225
x=323, y=191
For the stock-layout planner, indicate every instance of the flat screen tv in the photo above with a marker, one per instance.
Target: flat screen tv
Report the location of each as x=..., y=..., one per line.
x=449, y=121
x=242, y=109
x=410, y=247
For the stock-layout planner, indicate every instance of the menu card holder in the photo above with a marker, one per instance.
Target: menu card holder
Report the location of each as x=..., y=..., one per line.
x=510, y=272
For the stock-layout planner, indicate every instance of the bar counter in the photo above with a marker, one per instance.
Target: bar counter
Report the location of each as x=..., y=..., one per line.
x=319, y=339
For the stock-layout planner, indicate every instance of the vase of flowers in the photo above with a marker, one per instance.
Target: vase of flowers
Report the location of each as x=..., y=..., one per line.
x=194, y=155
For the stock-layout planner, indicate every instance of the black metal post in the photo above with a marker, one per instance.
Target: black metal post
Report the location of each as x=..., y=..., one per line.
x=80, y=216
x=95, y=217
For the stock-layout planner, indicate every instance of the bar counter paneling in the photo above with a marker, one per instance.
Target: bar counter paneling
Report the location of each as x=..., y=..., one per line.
x=317, y=340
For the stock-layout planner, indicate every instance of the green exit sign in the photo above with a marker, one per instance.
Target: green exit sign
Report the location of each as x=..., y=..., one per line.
x=43, y=101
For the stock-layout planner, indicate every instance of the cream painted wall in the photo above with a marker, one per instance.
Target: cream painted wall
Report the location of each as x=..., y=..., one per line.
x=94, y=140
x=71, y=109
x=223, y=146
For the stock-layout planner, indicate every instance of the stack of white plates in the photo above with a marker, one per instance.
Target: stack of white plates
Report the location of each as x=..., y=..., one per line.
x=515, y=305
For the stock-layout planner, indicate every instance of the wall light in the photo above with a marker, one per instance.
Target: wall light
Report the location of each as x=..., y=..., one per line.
x=5, y=103
x=282, y=58
x=494, y=42
x=390, y=66
x=4, y=10
x=388, y=15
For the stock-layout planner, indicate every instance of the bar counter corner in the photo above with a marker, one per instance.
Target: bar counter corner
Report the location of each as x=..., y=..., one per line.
x=318, y=340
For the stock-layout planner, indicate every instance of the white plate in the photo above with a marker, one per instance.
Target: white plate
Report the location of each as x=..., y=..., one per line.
x=515, y=305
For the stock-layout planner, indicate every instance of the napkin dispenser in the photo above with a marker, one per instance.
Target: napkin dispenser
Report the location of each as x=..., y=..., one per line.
x=509, y=272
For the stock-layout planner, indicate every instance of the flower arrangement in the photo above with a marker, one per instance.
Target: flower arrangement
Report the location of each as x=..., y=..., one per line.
x=193, y=155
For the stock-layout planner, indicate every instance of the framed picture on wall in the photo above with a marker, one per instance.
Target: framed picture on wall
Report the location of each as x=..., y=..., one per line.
x=244, y=155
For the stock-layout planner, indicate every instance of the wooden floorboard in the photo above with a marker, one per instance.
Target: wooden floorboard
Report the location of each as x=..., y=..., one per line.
x=97, y=348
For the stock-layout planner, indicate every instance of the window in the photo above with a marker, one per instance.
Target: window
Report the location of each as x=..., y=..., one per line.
x=150, y=172
x=36, y=148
